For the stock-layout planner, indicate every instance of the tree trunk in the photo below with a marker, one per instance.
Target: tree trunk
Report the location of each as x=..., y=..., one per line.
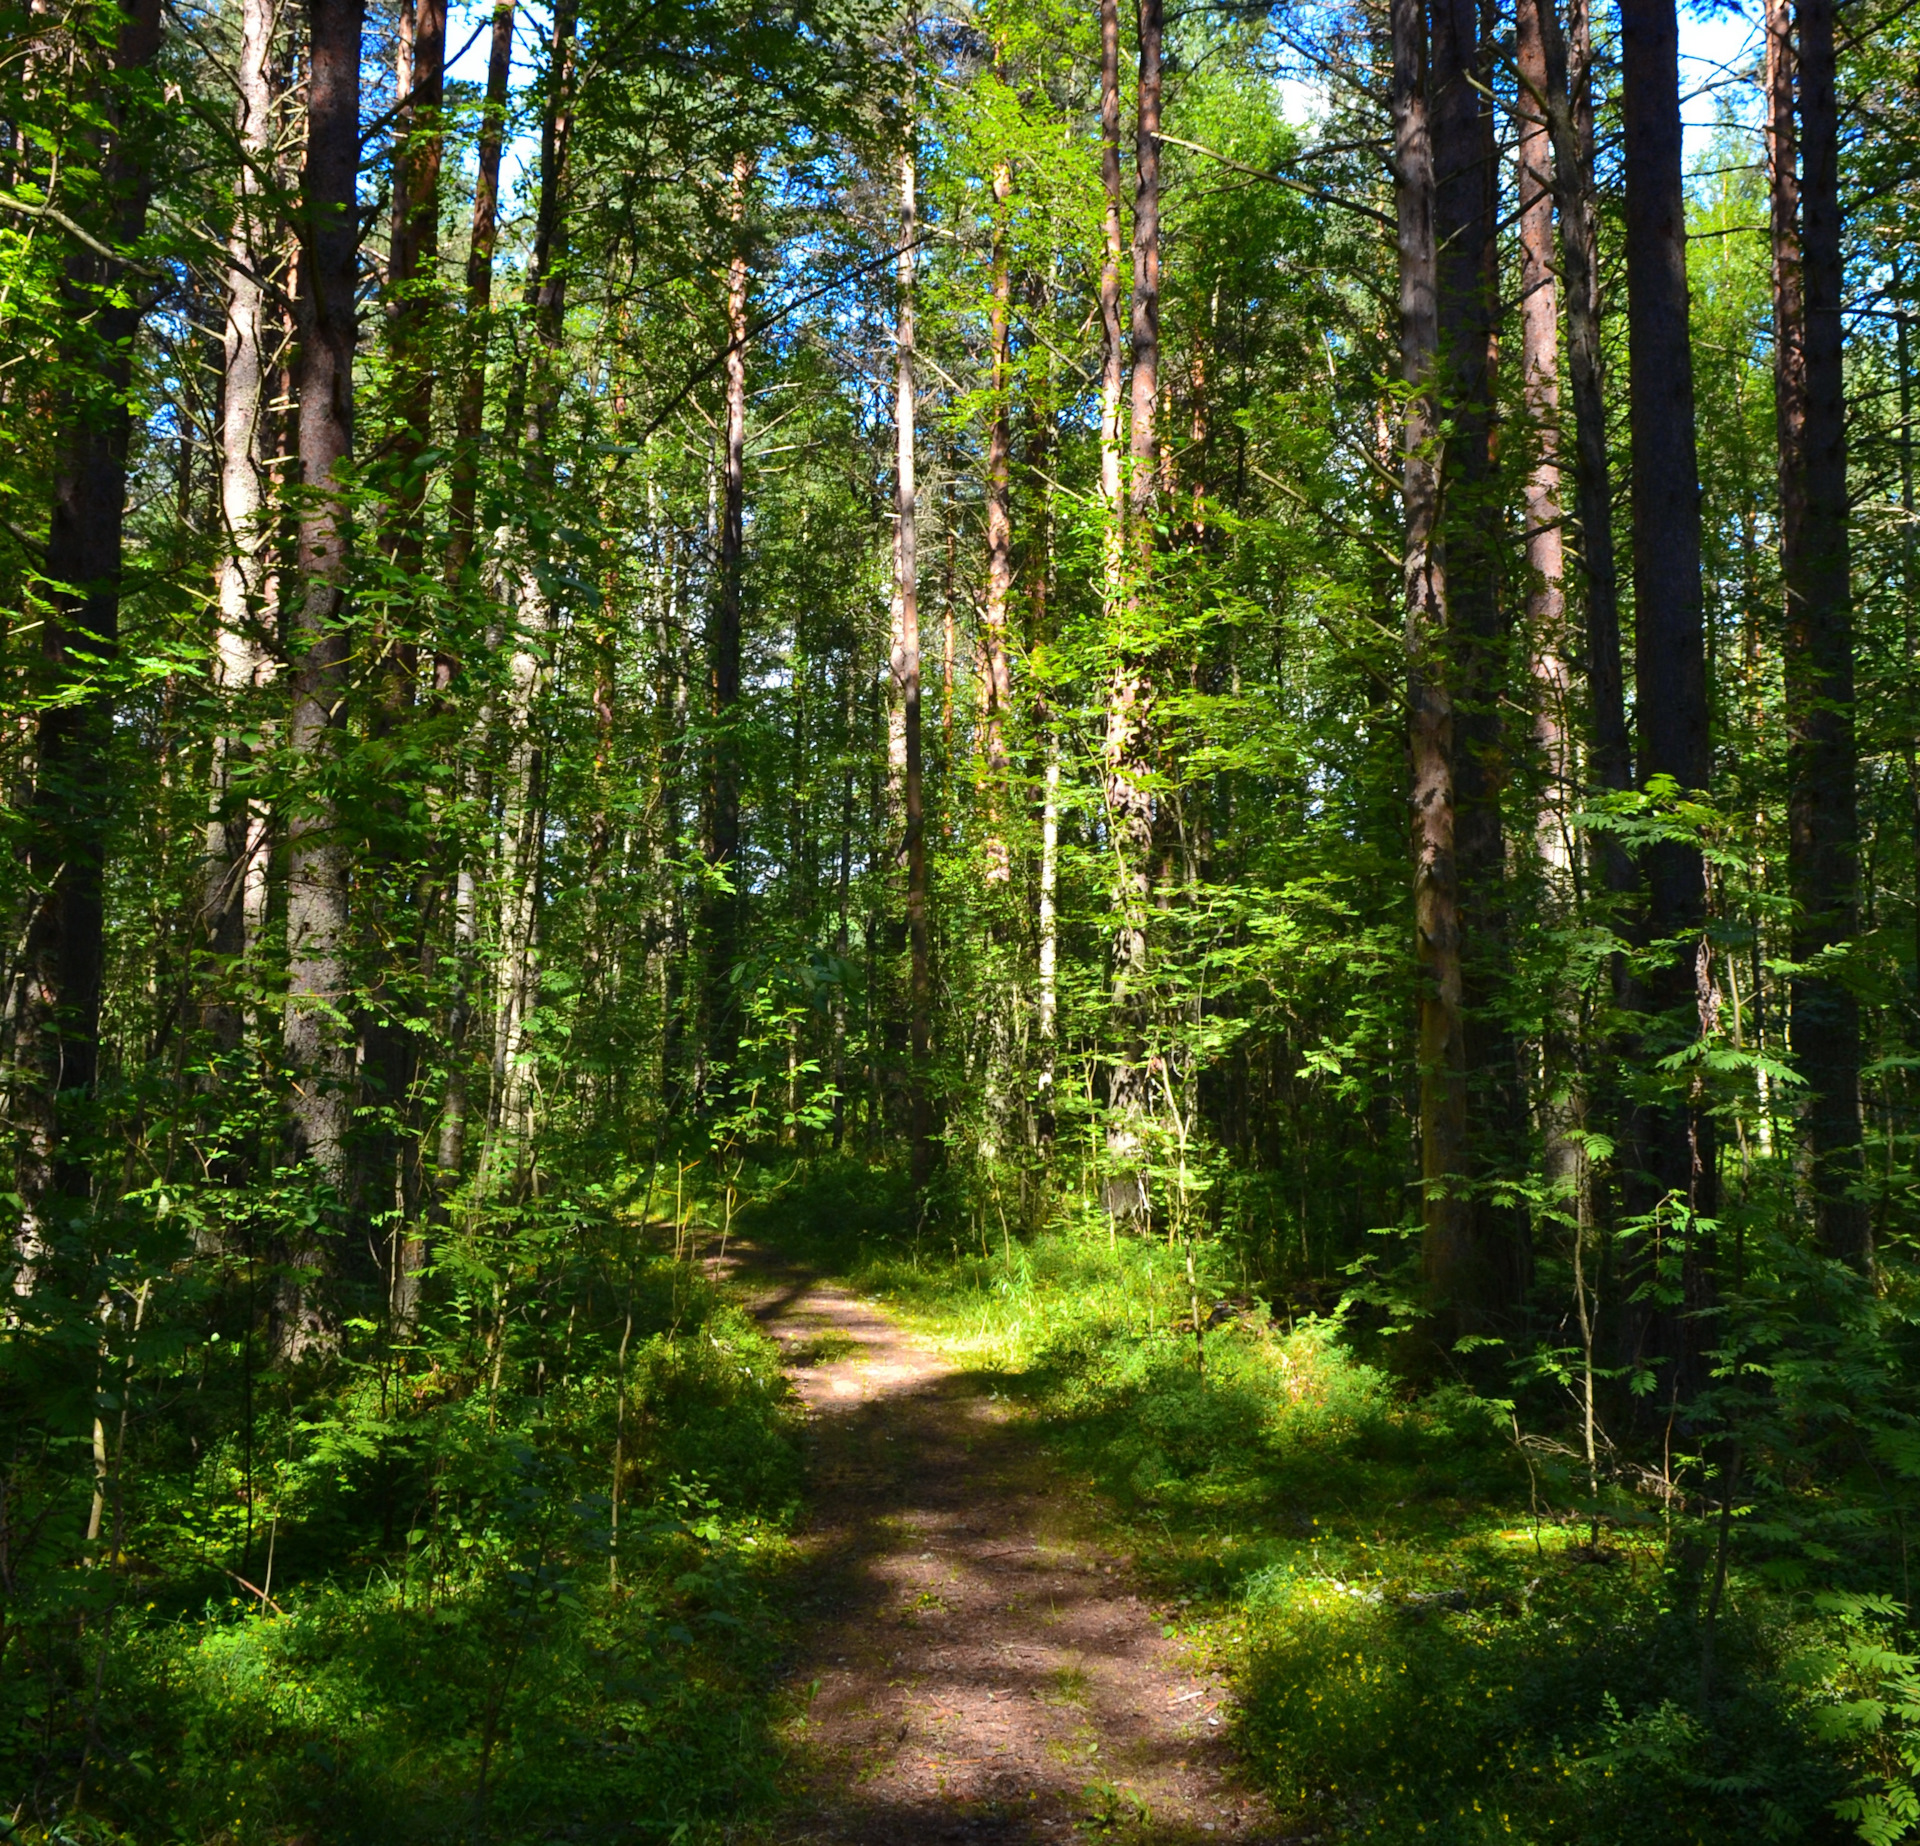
x=390, y=1039
x=470, y=413
x=1465, y=172
x=724, y=908
x=319, y=1047
x=1669, y=622
x=998, y=691
x=1446, y=1243
x=906, y=674
x=1128, y=742
x=57, y=1026
x=1546, y=586
x=1142, y=436
x=1823, y=815
x=462, y=499
x=1111, y=361
x=1540, y=390
x=522, y=806
x=237, y=825
x=419, y=136
x=1568, y=101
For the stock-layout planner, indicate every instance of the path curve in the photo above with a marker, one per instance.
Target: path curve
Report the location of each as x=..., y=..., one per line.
x=980, y=1670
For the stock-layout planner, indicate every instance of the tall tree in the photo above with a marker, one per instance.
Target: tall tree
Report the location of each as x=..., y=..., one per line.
x=1446, y=1245
x=997, y=692
x=1129, y=727
x=483, y=236
x=522, y=825
x=57, y=1027
x=1676, y=1138
x=1822, y=759
x=1567, y=99
x=234, y=908
x=1540, y=391
x=723, y=906
x=1465, y=174
x=906, y=668
x=319, y=1046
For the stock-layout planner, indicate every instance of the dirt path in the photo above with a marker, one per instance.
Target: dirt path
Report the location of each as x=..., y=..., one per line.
x=983, y=1672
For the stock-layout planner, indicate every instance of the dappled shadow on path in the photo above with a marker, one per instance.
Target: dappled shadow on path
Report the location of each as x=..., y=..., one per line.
x=977, y=1669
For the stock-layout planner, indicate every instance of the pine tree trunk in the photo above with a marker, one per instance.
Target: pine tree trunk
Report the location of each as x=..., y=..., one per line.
x=1465, y=167
x=1822, y=760
x=1676, y=1142
x=57, y=1026
x=1446, y=1242
x=1569, y=106
x=419, y=137
x=1540, y=391
x=318, y=1045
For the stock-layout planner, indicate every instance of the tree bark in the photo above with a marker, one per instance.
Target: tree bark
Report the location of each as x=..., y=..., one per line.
x=522, y=806
x=233, y=905
x=470, y=413
x=1568, y=100
x=723, y=908
x=1669, y=620
x=1540, y=391
x=1127, y=745
x=57, y=1025
x=1142, y=432
x=1822, y=760
x=318, y=1045
x=997, y=693
x=1446, y=1228
x=1111, y=361
x=419, y=137
x=1492, y=1273
x=906, y=674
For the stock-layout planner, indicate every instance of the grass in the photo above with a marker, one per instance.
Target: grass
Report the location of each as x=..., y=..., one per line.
x=1424, y=1647
x=489, y=1667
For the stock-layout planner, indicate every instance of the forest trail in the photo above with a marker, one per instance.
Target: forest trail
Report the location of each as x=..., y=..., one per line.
x=984, y=1672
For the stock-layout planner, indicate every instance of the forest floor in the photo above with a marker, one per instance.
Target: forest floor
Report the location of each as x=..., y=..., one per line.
x=972, y=1663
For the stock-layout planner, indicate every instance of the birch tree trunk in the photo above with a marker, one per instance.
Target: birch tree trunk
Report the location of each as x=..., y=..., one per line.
x=1127, y=745
x=1546, y=586
x=906, y=674
x=233, y=906
x=318, y=1042
x=522, y=806
x=997, y=692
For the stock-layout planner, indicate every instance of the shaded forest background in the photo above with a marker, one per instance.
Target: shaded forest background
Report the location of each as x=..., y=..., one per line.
x=1220, y=676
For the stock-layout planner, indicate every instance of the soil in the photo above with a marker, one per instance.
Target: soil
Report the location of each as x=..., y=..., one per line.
x=972, y=1664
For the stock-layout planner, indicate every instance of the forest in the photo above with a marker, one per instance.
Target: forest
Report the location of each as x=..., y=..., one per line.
x=837, y=832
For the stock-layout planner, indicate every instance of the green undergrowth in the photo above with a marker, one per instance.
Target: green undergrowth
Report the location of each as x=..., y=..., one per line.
x=1426, y=1642
x=459, y=1639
